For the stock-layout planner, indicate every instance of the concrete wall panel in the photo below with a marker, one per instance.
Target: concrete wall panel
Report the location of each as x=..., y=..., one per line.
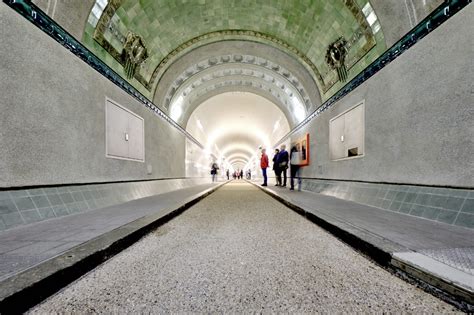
x=53, y=116
x=72, y=15
x=419, y=116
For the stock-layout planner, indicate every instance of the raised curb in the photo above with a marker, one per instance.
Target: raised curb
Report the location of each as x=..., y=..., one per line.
x=28, y=288
x=431, y=283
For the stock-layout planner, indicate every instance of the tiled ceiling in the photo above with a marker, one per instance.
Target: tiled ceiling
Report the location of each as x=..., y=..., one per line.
x=303, y=27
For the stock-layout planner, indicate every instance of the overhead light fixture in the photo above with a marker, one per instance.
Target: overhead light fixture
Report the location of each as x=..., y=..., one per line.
x=176, y=108
x=198, y=122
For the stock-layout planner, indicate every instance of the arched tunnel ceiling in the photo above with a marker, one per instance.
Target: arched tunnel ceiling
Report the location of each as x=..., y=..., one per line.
x=302, y=30
x=219, y=67
x=234, y=125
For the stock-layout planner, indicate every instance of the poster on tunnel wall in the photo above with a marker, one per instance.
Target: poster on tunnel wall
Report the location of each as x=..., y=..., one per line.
x=302, y=146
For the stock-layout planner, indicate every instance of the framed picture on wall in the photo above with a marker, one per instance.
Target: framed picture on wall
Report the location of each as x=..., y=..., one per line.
x=302, y=145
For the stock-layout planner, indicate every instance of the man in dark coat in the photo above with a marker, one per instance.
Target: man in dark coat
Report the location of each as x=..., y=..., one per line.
x=283, y=159
x=276, y=169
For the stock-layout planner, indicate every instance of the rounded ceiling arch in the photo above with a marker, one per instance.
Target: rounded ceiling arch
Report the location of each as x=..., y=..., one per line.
x=238, y=156
x=241, y=149
x=230, y=86
x=247, y=66
x=235, y=161
x=172, y=29
x=222, y=65
x=286, y=33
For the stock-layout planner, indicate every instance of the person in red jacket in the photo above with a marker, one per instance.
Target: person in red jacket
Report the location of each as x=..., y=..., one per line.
x=264, y=166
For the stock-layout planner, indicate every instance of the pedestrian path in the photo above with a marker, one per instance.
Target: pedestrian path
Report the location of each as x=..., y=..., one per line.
x=240, y=251
x=442, y=251
x=24, y=247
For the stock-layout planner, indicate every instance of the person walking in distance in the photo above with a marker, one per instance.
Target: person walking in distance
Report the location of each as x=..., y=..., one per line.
x=276, y=169
x=264, y=166
x=283, y=159
x=227, y=173
x=295, y=162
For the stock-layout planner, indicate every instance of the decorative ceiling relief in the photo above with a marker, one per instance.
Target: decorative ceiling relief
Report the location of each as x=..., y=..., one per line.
x=355, y=48
x=124, y=46
x=336, y=58
x=134, y=53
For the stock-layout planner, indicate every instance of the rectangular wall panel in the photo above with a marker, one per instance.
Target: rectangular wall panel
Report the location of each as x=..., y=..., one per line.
x=136, y=137
x=346, y=133
x=354, y=130
x=125, y=133
x=116, y=125
x=336, y=138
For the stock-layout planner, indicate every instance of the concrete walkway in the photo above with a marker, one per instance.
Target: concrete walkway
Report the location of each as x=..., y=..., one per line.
x=240, y=251
x=440, y=251
x=24, y=247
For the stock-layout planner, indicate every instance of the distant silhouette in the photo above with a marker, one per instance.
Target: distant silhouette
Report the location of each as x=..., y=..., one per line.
x=214, y=168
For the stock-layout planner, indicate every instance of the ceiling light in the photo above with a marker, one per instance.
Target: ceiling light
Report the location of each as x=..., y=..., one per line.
x=176, y=108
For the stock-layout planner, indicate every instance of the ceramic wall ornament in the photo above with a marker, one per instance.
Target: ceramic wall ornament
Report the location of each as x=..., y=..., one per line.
x=336, y=57
x=134, y=53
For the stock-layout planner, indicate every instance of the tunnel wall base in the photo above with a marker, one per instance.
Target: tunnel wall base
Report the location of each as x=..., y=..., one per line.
x=445, y=205
x=26, y=206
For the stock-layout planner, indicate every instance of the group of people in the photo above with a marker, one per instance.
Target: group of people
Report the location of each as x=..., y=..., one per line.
x=282, y=160
x=238, y=174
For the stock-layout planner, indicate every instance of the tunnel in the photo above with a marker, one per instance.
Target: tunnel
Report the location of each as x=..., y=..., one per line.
x=236, y=156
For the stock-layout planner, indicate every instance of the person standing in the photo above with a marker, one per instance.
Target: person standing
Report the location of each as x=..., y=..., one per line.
x=276, y=169
x=227, y=173
x=214, y=169
x=295, y=162
x=283, y=159
x=241, y=174
x=264, y=166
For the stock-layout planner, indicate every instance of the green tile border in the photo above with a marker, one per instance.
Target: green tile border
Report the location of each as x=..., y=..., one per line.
x=444, y=205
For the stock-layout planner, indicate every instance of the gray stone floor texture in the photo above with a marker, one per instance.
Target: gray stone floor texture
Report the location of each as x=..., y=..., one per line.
x=27, y=246
x=240, y=251
x=394, y=232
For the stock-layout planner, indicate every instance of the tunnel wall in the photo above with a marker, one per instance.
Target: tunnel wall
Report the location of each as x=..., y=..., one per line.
x=418, y=116
x=418, y=133
x=53, y=117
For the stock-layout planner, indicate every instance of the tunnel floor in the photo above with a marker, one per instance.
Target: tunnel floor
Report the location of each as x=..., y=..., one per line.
x=239, y=250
